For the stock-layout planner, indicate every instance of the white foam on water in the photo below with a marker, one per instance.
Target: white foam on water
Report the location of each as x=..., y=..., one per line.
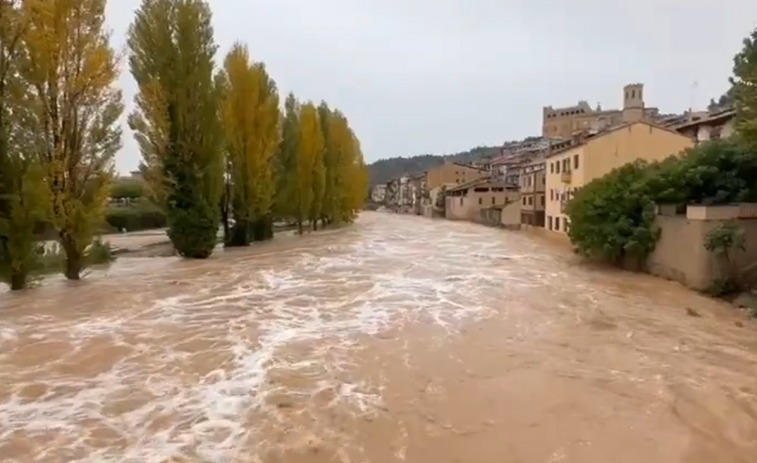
x=290, y=327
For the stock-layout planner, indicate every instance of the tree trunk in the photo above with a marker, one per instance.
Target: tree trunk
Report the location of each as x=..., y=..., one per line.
x=315, y=224
x=74, y=259
x=299, y=227
x=18, y=280
x=239, y=234
x=269, y=227
x=225, y=220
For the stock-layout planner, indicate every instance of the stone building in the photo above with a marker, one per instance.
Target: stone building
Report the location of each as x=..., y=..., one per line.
x=564, y=122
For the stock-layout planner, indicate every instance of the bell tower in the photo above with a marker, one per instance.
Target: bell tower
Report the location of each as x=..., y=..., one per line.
x=633, y=102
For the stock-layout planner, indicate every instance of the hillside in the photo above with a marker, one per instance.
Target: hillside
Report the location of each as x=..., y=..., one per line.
x=386, y=169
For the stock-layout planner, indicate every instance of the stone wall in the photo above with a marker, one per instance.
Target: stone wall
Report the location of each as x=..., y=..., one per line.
x=680, y=254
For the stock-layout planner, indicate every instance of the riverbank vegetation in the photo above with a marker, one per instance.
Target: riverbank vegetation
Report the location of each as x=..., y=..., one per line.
x=612, y=218
x=215, y=145
x=59, y=131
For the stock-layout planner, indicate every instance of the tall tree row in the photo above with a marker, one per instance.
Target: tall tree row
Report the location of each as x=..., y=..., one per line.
x=59, y=130
x=216, y=147
x=214, y=141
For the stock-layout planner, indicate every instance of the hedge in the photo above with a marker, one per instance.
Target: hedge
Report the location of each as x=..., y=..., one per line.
x=135, y=218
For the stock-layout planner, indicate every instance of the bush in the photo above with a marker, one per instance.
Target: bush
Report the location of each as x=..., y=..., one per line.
x=99, y=252
x=131, y=189
x=194, y=232
x=143, y=216
x=612, y=218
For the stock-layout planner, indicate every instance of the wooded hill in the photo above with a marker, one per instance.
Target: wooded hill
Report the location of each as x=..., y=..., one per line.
x=386, y=169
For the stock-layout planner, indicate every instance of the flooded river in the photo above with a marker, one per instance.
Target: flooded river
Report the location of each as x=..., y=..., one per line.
x=398, y=339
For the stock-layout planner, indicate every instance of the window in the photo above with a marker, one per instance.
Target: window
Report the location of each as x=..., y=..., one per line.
x=542, y=201
x=492, y=200
x=575, y=161
x=461, y=200
x=557, y=167
x=480, y=201
x=551, y=167
x=549, y=222
x=557, y=223
x=544, y=180
x=524, y=200
x=530, y=200
x=551, y=195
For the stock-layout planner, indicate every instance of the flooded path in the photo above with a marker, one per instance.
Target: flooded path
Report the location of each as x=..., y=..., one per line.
x=396, y=340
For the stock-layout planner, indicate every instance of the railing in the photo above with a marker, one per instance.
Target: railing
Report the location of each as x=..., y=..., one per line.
x=565, y=177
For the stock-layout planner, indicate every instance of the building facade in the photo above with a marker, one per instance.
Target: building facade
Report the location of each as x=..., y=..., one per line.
x=589, y=157
x=533, y=183
x=378, y=193
x=721, y=124
x=564, y=122
x=453, y=173
x=466, y=201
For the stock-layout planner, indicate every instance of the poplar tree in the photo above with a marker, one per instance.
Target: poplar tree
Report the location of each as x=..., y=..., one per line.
x=24, y=199
x=286, y=159
x=251, y=123
x=308, y=152
x=330, y=161
x=318, y=146
x=71, y=72
x=176, y=121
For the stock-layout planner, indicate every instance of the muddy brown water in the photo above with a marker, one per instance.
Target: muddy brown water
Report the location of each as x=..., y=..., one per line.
x=398, y=339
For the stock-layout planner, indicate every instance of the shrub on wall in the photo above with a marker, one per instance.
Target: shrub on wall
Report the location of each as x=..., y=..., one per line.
x=612, y=218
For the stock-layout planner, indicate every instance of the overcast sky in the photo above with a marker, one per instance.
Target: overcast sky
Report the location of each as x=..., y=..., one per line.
x=442, y=76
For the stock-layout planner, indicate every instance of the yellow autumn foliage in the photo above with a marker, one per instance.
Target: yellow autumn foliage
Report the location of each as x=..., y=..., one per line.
x=72, y=71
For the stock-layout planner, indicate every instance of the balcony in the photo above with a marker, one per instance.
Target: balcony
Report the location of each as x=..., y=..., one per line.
x=565, y=177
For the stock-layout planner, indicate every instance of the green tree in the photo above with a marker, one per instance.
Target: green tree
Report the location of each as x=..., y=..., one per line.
x=176, y=122
x=744, y=89
x=611, y=218
x=309, y=152
x=286, y=159
x=23, y=202
x=72, y=69
x=330, y=164
x=319, y=170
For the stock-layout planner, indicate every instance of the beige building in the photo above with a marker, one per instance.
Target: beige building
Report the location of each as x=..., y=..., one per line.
x=533, y=183
x=452, y=173
x=564, y=122
x=466, y=201
x=593, y=156
x=713, y=126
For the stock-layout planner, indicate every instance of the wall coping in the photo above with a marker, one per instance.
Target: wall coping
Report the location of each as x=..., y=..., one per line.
x=711, y=212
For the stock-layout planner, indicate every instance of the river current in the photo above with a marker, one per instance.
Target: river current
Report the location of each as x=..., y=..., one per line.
x=398, y=339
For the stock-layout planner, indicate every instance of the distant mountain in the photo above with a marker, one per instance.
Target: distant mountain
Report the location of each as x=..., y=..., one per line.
x=386, y=169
